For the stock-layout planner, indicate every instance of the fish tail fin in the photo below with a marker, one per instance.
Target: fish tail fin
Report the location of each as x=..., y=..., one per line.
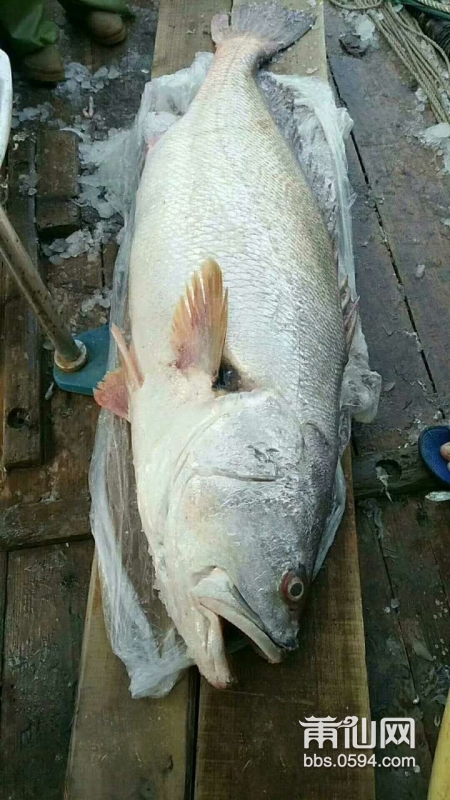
x=276, y=27
x=200, y=322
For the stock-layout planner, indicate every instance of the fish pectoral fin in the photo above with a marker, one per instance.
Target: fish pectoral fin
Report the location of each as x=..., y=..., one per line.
x=112, y=393
x=132, y=373
x=200, y=322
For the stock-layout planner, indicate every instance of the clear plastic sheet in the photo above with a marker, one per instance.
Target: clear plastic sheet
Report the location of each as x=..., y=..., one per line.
x=139, y=629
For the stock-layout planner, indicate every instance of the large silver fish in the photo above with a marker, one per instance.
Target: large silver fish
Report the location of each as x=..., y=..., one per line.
x=232, y=383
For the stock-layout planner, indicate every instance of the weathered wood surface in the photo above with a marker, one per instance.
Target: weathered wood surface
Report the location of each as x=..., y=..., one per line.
x=393, y=472
x=392, y=688
x=410, y=196
x=407, y=392
x=29, y=524
x=3, y=573
x=183, y=29
x=407, y=531
x=57, y=166
x=46, y=591
x=407, y=644
x=423, y=610
x=67, y=422
x=21, y=363
x=122, y=747
x=436, y=518
x=45, y=588
x=273, y=697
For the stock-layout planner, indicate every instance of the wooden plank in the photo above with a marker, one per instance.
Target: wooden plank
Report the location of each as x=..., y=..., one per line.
x=435, y=518
x=21, y=397
x=70, y=421
x=410, y=194
x=183, y=30
x=407, y=393
x=423, y=610
x=393, y=692
x=57, y=164
x=46, y=597
x=405, y=473
x=31, y=524
x=3, y=569
x=250, y=741
x=123, y=747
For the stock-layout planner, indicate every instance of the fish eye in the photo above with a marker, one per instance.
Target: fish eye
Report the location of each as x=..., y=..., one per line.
x=293, y=586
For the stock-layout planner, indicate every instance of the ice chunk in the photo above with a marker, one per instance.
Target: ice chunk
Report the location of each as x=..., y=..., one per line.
x=101, y=297
x=78, y=78
x=101, y=73
x=364, y=28
x=420, y=270
x=58, y=246
x=114, y=72
x=40, y=113
x=436, y=134
x=421, y=96
x=438, y=138
x=438, y=497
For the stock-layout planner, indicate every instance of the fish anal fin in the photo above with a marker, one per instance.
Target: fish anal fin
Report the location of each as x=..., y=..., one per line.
x=112, y=393
x=200, y=322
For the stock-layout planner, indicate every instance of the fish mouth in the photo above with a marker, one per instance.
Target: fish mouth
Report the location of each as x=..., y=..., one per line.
x=215, y=593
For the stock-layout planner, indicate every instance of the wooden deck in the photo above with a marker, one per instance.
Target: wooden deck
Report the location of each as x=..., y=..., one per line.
x=403, y=542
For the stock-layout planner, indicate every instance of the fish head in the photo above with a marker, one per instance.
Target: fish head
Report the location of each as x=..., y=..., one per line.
x=246, y=514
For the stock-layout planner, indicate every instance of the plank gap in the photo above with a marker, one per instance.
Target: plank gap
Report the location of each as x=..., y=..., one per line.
x=3, y=602
x=192, y=722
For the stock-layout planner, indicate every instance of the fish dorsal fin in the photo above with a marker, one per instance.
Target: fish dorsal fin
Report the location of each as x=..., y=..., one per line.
x=200, y=322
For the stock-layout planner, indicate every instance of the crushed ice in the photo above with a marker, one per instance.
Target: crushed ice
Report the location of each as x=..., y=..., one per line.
x=79, y=78
x=437, y=137
x=40, y=113
x=78, y=243
x=101, y=297
x=362, y=26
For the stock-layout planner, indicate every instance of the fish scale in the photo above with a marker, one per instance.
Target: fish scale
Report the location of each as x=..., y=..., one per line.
x=220, y=184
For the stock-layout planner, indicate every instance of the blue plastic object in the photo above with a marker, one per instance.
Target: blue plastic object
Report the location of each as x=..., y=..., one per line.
x=430, y=442
x=86, y=379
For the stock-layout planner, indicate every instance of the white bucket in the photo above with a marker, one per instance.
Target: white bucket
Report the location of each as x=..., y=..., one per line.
x=5, y=103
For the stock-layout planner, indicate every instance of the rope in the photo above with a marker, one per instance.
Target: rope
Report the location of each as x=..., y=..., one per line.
x=403, y=34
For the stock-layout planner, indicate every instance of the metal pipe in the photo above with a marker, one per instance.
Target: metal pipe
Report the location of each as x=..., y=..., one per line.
x=70, y=355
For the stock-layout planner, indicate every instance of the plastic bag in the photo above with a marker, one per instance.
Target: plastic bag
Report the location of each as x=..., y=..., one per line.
x=139, y=629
